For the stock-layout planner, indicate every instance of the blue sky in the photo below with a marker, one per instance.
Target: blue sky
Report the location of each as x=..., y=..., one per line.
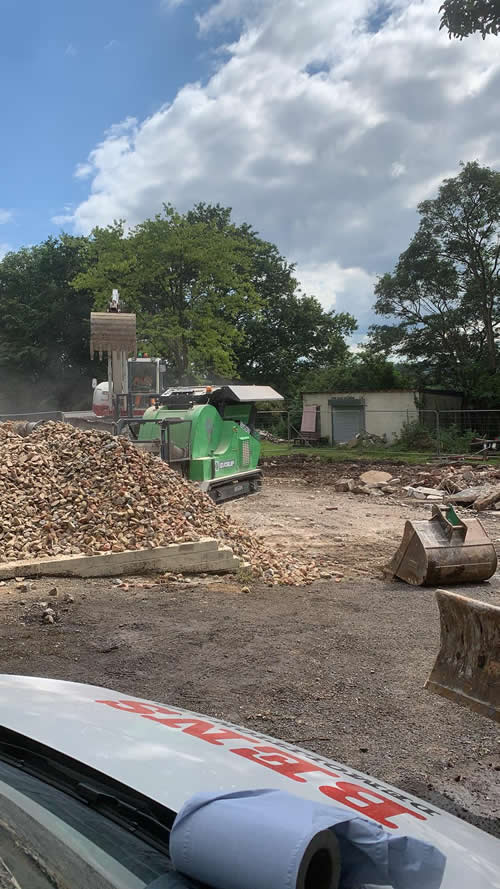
x=320, y=122
x=69, y=71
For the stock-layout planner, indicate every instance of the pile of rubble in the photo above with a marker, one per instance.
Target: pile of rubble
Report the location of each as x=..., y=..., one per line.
x=460, y=486
x=264, y=435
x=470, y=485
x=365, y=440
x=70, y=491
x=370, y=482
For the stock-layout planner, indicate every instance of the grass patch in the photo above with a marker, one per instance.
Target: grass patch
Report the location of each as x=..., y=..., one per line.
x=346, y=455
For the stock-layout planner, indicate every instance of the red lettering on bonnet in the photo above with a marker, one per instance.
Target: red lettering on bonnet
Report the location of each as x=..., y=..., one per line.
x=190, y=725
x=365, y=801
x=202, y=729
x=137, y=707
x=368, y=803
x=281, y=761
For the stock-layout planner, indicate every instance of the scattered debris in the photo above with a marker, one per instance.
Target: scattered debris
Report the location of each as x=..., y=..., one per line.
x=268, y=436
x=375, y=478
x=345, y=484
x=365, y=440
x=466, y=496
x=485, y=500
x=475, y=486
x=421, y=493
x=361, y=489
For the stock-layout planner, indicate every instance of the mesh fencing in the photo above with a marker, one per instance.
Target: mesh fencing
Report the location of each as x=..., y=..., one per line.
x=389, y=432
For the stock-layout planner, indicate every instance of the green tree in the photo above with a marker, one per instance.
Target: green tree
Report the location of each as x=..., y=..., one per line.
x=213, y=298
x=290, y=335
x=444, y=293
x=287, y=332
x=44, y=335
x=188, y=279
x=362, y=372
x=461, y=18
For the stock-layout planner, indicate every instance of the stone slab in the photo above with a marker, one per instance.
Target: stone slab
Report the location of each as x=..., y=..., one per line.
x=195, y=557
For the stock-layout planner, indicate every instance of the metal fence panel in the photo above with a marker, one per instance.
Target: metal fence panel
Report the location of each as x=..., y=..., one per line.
x=274, y=426
x=392, y=432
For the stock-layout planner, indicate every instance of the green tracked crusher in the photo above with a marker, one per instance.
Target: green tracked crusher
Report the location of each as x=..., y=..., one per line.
x=209, y=435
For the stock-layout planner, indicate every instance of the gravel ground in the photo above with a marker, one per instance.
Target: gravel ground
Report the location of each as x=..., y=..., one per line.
x=335, y=667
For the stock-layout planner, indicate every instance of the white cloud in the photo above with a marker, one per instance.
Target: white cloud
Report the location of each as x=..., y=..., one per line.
x=422, y=191
x=330, y=283
x=111, y=44
x=171, y=4
x=397, y=169
x=62, y=219
x=321, y=133
x=70, y=50
x=83, y=171
x=5, y=216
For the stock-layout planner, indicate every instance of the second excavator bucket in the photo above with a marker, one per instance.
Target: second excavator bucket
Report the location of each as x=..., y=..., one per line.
x=443, y=550
x=467, y=668
x=112, y=332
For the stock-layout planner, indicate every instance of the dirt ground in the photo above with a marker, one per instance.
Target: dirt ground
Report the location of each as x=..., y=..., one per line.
x=337, y=667
x=350, y=535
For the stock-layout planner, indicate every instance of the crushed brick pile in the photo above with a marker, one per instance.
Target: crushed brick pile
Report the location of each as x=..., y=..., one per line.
x=66, y=491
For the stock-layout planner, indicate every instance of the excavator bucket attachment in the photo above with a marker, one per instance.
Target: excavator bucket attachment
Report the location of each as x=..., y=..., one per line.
x=467, y=668
x=112, y=332
x=443, y=550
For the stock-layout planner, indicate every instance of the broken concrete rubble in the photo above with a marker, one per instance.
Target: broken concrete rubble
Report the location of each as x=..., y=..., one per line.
x=467, y=495
x=366, y=440
x=422, y=493
x=375, y=478
x=487, y=499
x=345, y=484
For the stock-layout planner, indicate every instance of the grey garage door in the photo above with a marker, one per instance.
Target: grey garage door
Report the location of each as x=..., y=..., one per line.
x=347, y=422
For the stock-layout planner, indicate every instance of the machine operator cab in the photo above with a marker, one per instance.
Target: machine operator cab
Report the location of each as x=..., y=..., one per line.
x=145, y=382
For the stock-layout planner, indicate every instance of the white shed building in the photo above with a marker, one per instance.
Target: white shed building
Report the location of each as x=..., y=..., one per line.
x=341, y=415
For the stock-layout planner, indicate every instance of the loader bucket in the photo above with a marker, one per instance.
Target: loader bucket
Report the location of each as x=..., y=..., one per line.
x=467, y=668
x=443, y=549
x=112, y=332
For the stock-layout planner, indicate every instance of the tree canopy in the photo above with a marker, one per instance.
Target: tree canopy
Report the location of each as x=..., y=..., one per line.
x=444, y=294
x=461, y=18
x=188, y=279
x=213, y=298
x=289, y=335
x=44, y=335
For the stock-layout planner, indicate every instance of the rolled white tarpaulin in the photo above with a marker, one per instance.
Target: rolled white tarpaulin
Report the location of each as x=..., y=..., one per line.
x=267, y=839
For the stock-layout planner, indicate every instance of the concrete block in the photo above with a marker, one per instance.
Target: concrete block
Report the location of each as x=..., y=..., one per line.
x=192, y=557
